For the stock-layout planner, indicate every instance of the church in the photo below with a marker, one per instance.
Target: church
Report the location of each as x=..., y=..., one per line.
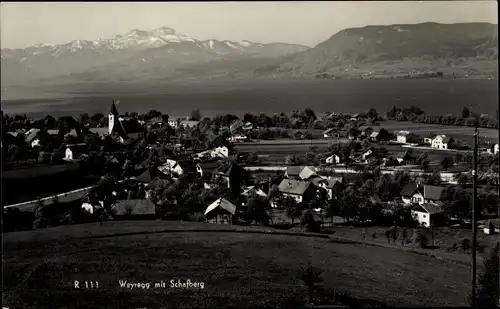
x=126, y=128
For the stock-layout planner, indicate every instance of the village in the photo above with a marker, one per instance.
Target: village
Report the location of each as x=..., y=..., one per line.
x=158, y=167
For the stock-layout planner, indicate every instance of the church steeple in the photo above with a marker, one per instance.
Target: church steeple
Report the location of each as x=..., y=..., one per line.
x=112, y=117
x=113, y=110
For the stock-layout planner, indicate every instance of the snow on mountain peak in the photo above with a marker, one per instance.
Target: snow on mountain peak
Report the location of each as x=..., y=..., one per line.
x=245, y=43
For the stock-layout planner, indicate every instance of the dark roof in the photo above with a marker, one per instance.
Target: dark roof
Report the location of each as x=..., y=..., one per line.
x=137, y=206
x=113, y=109
x=434, y=193
x=408, y=189
x=293, y=170
x=296, y=187
x=428, y=208
x=187, y=166
x=150, y=174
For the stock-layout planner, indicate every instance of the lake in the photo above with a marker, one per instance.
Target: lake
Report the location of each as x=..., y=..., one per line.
x=436, y=97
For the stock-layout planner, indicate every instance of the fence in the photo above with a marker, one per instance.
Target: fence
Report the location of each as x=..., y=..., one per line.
x=62, y=198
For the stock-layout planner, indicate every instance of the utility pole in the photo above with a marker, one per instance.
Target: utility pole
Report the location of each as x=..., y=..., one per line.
x=498, y=182
x=474, y=228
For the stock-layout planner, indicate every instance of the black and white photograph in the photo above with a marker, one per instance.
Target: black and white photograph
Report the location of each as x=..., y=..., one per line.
x=266, y=154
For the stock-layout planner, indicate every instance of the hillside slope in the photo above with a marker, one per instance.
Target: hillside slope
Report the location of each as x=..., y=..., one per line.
x=237, y=269
x=400, y=49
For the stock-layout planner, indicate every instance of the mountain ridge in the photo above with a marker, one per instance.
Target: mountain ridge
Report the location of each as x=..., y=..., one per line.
x=459, y=49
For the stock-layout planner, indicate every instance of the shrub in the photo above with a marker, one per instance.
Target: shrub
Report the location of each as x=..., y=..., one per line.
x=420, y=239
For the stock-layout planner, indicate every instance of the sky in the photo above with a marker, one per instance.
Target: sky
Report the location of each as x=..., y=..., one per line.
x=309, y=23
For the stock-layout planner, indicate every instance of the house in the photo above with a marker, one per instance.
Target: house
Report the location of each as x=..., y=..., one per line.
x=72, y=133
x=100, y=132
x=149, y=174
x=232, y=173
x=355, y=117
x=367, y=153
x=333, y=159
x=236, y=126
x=401, y=136
x=307, y=172
x=332, y=132
x=441, y=142
x=237, y=138
x=411, y=194
x=247, y=127
x=188, y=124
x=92, y=207
x=126, y=128
x=134, y=209
x=173, y=122
x=374, y=136
x=427, y=214
x=204, y=169
x=300, y=190
x=177, y=167
x=221, y=152
x=403, y=157
x=221, y=211
x=293, y=172
x=30, y=137
x=426, y=194
x=332, y=185
x=75, y=151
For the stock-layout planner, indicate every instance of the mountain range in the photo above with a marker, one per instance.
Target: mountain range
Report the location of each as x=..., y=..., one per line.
x=164, y=54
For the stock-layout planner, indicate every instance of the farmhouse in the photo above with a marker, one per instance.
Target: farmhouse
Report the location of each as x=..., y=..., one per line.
x=429, y=138
x=433, y=194
x=427, y=214
x=490, y=228
x=293, y=171
x=221, y=211
x=441, y=142
x=333, y=159
x=301, y=191
x=74, y=151
x=250, y=190
x=367, y=153
x=401, y=136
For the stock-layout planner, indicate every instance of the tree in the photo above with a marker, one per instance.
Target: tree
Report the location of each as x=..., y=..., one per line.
x=372, y=113
x=487, y=293
x=465, y=113
x=196, y=115
x=256, y=210
x=292, y=209
x=447, y=162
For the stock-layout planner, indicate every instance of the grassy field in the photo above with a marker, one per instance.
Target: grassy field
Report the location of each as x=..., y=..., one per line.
x=238, y=269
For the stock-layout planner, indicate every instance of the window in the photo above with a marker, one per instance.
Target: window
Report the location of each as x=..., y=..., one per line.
x=424, y=216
